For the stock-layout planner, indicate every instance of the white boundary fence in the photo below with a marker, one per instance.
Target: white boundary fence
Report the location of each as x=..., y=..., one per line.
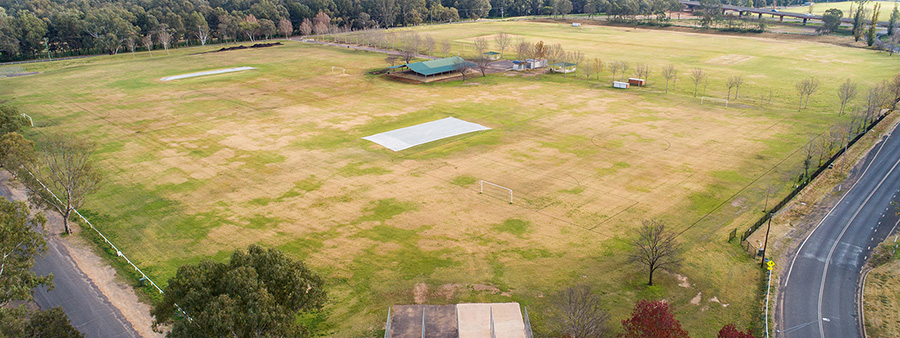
x=498, y=186
x=118, y=252
x=713, y=99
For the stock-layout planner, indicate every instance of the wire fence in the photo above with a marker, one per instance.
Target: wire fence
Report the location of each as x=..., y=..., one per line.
x=113, y=246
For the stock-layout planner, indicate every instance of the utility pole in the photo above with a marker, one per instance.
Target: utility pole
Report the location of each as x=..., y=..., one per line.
x=762, y=263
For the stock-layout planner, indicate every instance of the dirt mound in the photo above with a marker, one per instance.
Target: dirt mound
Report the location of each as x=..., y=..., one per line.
x=258, y=45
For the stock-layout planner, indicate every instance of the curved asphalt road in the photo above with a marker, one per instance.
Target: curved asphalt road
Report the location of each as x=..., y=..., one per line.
x=821, y=287
x=89, y=310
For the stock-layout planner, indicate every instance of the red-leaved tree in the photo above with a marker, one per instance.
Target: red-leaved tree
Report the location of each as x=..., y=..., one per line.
x=652, y=319
x=731, y=331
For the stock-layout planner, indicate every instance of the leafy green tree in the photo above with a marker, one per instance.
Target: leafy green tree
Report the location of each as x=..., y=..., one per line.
x=258, y=293
x=15, y=152
x=64, y=165
x=870, y=34
x=831, y=20
x=859, y=19
x=11, y=119
x=31, y=31
x=21, y=322
x=108, y=27
x=19, y=244
x=9, y=42
x=892, y=22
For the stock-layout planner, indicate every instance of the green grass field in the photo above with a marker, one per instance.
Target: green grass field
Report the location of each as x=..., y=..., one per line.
x=199, y=167
x=844, y=6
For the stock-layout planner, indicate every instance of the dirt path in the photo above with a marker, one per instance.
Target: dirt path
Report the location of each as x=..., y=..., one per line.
x=99, y=274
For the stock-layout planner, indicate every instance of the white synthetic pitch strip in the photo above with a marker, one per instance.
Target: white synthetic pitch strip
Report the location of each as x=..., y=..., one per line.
x=399, y=139
x=211, y=72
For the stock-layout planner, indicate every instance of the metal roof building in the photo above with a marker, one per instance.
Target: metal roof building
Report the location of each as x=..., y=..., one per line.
x=434, y=67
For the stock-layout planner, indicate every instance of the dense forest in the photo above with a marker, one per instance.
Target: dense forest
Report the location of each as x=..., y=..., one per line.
x=33, y=28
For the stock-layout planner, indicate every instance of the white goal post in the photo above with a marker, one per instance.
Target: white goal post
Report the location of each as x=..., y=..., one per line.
x=482, y=182
x=702, y=98
x=333, y=68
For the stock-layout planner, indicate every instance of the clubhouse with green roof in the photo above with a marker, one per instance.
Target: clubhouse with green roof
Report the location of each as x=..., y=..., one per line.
x=431, y=70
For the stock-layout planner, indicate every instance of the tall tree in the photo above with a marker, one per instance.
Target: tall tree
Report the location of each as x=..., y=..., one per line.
x=697, y=75
x=258, y=293
x=64, y=165
x=652, y=319
x=831, y=20
x=642, y=71
x=892, y=22
x=285, y=27
x=164, y=38
x=806, y=87
x=655, y=248
x=31, y=31
x=846, y=92
x=502, y=40
x=11, y=119
x=147, y=40
x=577, y=312
x=870, y=34
x=859, y=19
x=670, y=73
x=19, y=244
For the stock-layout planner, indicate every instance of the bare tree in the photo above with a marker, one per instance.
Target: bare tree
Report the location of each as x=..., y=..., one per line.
x=523, y=49
x=65, y=167
x=697, y=75
x=588, y=69
x=574, y=57
x=577, y=313
x=655, y=248
x=428, y=44
x=202, y=34
x=445, y=47
x=481, y=46
x=129, y=42
x=482, y=62
x=623, y=67
x=164, y=38
x=670, y=73
x=614, y=69
x=806, y=88
x=148, y=42
x=462, y=66
x=286, y=28
x=410, y=47
x=642, y=71
x=598, y=67
x=502, y=40
x=734, y=82
x=846, y=92
x=306, y=27
x=392, y=59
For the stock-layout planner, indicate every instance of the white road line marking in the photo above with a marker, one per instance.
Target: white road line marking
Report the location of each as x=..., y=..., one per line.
x=841, y=235
x=787, y=278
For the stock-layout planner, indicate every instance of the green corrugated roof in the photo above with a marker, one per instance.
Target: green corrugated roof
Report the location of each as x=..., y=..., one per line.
x=563, y=64
x=432, y=67
x=491, y=53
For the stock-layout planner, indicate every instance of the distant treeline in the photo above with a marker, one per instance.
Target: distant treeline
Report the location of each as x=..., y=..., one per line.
x=30, y=28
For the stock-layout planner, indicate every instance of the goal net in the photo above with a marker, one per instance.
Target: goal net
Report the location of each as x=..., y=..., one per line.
x=713, y=100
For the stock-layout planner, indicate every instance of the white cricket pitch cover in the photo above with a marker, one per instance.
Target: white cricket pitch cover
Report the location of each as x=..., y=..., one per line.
x=211, y=72
x=475, y=320
x=399, y=139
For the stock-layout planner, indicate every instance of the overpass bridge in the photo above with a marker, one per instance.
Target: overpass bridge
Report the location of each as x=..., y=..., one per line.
x=691, y=5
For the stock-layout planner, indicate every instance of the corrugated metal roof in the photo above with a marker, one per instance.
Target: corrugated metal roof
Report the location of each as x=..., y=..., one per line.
x=563, y=64
x=438, y=66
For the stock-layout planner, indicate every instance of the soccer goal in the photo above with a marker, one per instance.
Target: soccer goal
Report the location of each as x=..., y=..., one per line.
x=483, y=182
x=29, y=119
x=713, y=99
x=336, y=68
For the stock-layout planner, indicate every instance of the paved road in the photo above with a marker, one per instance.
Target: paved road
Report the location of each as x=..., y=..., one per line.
x=88, y=309
x=821, y=287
